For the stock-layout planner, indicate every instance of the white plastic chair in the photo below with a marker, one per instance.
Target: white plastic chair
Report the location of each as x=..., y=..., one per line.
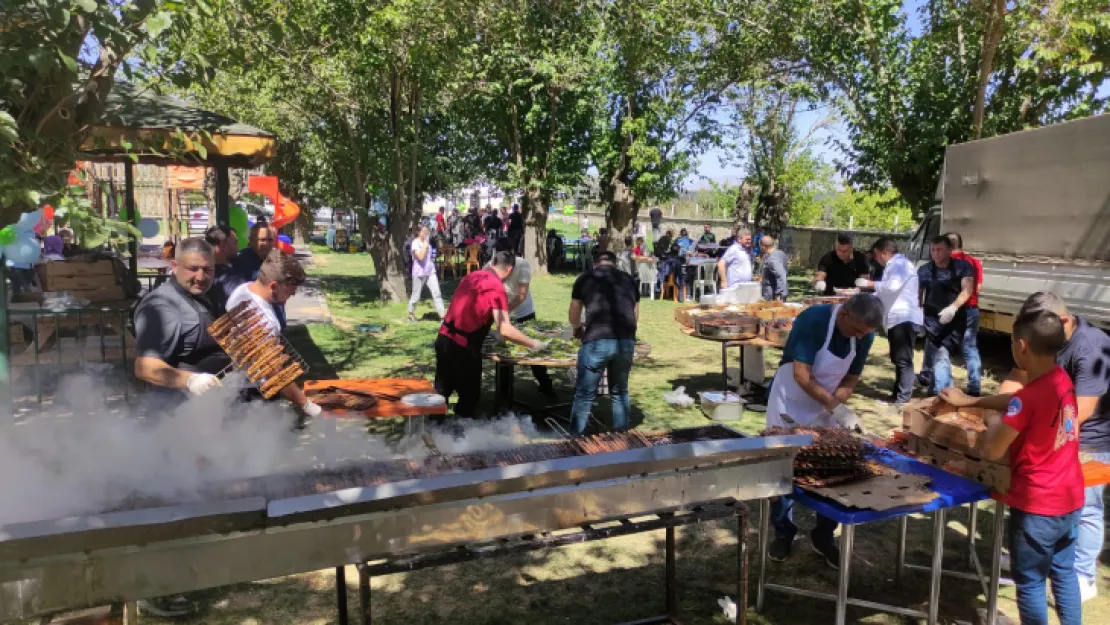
x=648, y=273
x=707, y=280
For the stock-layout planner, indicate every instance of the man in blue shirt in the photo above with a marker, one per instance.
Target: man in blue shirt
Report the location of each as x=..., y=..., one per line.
x=684, y=243
x=821, y=365
x=244, y=268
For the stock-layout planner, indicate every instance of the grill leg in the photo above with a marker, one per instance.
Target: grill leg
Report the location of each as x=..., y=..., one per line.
x=341, y=595
x=130, y=613
x=364, y=593
x=672, y=603
x=764, y=530
x=939, y=525
x=972, y=522
x=847, y=540
x=900, y=565
x=996, y=561
x=742, y=555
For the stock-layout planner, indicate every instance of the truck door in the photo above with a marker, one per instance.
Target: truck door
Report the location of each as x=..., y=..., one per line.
x=918, y=251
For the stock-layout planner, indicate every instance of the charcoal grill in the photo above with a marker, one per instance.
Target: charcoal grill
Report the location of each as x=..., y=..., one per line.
x=285, y=524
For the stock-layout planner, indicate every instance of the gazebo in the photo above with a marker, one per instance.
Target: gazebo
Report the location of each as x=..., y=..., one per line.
x=140, y=126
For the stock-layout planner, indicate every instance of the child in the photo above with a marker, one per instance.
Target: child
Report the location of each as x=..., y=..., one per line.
x=1041, y=432
x=639, y=249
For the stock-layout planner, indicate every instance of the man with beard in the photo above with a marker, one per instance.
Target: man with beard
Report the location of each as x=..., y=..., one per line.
x=225, y=246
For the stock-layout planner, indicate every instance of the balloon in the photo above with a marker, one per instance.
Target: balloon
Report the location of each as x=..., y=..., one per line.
x=284, y=238
x=149, y=227
x=237, y=220
x=8, y=235
x=28, y=221
x=285, y=247
x=24, y=250
x=48, y=212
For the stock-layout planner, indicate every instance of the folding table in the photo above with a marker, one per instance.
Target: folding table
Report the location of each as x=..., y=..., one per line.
x=951, y=491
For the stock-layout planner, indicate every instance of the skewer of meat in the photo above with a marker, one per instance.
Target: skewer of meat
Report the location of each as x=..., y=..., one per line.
x=264, y=349
x=229, y=333
x=256, y=333
x=263, y=369
x=281, y=380
x=228, y=317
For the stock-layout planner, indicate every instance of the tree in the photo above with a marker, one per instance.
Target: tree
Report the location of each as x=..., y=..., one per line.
x=531, y=68
x=367, y=92
x=49, y=99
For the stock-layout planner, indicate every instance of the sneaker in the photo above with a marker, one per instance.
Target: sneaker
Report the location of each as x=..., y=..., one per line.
x=780, y=548
x=412, y=318
x=1088, y=589
x=827, y=550
x=166, y=607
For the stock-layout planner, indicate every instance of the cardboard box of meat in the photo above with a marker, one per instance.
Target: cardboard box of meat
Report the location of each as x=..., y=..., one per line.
x=993, y=474
x=943, y=424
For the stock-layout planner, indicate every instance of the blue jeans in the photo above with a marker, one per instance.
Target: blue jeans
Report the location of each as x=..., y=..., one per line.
x=1091, y=528
x=937, y=367
x=782, y=519
x=613, y=356
x=1042, y=548
x=971, y=352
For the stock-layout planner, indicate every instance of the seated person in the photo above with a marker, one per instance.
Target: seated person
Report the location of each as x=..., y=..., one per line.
x=640, y=249
x=684, y=243
x=624, y=258
x=664, y=244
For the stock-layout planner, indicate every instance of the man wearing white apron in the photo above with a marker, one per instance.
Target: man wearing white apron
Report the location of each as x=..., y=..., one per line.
x=821, y=364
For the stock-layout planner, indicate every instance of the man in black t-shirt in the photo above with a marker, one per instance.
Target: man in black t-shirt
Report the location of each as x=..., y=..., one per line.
x=656, y=216
x=612, y=306
x=840, y=268
x=946, y=285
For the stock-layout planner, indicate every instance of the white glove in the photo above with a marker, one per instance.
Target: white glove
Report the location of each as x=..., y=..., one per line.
x=539, y=346
x=201, y=383
x=820, y=286
x=864, y=283
x=947, y=315
x=843, y=415
x=312, y=409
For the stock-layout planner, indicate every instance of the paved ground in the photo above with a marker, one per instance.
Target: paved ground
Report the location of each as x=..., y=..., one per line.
x=308, y=305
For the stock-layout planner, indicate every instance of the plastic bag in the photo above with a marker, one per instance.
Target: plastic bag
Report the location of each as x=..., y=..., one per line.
x=728, y=606
x=678, y=397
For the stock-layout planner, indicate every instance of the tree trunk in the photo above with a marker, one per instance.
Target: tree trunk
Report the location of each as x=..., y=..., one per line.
x=534, y=210
x=742, y=207
x=620, y=213
x=996, y=24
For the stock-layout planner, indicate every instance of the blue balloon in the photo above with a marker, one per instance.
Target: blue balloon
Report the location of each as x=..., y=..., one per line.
x=284, y=238
x=28, y=221
x=25, y=250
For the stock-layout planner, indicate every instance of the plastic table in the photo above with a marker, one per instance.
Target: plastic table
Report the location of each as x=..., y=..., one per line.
x=951, y=491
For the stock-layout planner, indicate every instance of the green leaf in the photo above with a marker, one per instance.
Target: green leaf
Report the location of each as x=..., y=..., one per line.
x=202, y=151
x=157, y=24
x=88, y=6
x=68, y=61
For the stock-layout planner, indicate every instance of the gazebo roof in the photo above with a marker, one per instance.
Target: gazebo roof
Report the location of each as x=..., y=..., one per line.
x=150, y=123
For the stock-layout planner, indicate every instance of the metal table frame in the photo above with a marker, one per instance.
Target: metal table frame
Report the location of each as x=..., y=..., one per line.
x=590, y=532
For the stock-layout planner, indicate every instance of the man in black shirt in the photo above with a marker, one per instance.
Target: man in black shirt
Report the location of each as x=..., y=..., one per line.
x=656, y=216
x=225, y=246
x=516, y=229
x=663, y=244
x=840, y=268
x=612, y=305
x=946, y=285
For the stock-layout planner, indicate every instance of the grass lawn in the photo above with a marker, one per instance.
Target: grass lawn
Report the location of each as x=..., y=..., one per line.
x=619, y=579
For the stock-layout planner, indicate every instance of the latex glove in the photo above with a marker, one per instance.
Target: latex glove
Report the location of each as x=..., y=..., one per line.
x=539, y=346
x=843, y=415
x=947, y=315
x=864, y=283
x=819, y=286
x=201, y=383
x=312, y=409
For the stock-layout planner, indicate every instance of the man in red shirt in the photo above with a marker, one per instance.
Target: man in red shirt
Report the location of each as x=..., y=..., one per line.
x=479, y=300
x=1040, y=430
x=970, y=343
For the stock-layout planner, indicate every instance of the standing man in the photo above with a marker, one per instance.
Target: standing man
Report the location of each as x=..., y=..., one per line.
x=441, y=221
x=970, y=343
x=707, y=237
x=516, y=229
x=821, y=365
x=735, y=265
x=840, y=268
x=656, y=216
x=225, y=246
x=898, y=291
x=277, y=281
x=423, y=272
x=946, y=285
x=1085, y=357
x=774, y=284
x=518, y=288
x=479, y=300
x=612, y=305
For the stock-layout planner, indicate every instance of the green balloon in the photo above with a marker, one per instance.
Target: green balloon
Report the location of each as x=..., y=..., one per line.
x=237, y=220
x=7, y=235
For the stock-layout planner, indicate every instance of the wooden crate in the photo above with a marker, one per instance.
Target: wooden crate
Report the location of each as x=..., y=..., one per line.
x=996, y=475
x=93, y=281
x=925, y=418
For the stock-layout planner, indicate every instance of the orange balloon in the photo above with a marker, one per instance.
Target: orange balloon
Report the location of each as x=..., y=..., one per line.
x=48, y=212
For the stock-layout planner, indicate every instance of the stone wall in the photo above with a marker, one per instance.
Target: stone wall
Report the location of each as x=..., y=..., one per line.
x=804, y=245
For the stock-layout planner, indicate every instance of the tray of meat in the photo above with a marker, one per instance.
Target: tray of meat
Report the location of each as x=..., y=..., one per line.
x=778, y=330
x=728, y=326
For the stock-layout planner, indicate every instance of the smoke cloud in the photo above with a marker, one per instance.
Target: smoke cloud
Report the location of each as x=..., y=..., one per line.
x=77, y=459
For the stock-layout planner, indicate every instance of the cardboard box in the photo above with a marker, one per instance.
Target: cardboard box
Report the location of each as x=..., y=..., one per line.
x=995, y=475
x=940, y=422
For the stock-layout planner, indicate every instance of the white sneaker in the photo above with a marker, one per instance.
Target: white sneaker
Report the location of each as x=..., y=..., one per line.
x=1088, y=589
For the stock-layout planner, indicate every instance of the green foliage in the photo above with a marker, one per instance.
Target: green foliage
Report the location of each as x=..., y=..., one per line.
x=48, y=99
x=884, y=211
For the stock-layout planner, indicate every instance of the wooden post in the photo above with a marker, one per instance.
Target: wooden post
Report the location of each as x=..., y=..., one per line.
x=132, y=217
x=223, y=195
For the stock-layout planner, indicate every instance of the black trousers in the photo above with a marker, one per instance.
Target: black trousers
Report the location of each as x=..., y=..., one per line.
x=459, y=370
x=902, y=338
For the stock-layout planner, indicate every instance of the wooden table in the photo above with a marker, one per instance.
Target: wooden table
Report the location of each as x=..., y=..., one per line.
x=384, y=408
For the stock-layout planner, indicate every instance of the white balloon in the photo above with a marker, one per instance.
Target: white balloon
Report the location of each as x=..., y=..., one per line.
x=149, y=227
x=25, y=249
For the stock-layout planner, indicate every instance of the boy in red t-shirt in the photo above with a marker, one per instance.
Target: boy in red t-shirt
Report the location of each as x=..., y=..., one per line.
x=1040, y=430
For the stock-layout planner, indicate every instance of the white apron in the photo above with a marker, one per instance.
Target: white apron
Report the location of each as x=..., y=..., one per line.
x=787, y=398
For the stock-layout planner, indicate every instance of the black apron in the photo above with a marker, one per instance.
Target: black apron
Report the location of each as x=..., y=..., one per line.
x=940, y=295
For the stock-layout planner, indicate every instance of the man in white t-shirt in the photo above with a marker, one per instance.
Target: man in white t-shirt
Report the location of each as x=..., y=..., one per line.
x=735, y=266
x=898, y=291
x=518, y=288
x=278, y=279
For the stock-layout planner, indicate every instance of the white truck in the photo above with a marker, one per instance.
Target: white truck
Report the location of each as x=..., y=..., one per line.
x=1034, y=207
